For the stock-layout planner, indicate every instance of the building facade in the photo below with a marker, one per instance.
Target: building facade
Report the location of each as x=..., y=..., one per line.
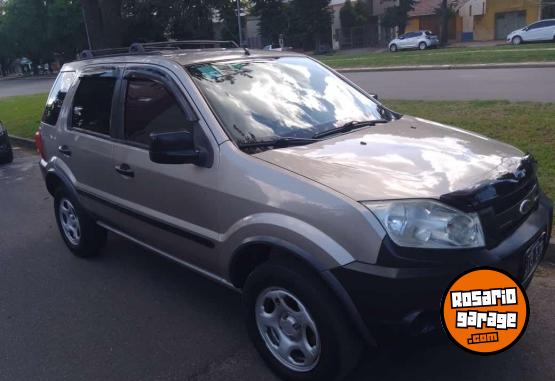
x=485, y=20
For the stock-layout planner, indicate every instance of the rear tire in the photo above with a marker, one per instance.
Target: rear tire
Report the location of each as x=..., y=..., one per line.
x=286, y=307
x=517, y=40
x=80, y=233
x=393, y=48
x=422, y=46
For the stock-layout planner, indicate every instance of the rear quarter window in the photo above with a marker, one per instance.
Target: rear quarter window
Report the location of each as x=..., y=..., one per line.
x=56, y=97
x=92, y=103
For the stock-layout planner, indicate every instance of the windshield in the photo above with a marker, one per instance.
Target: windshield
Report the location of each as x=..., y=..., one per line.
x=263, y=100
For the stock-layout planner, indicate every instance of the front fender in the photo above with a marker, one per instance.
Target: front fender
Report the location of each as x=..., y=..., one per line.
x=321, y=250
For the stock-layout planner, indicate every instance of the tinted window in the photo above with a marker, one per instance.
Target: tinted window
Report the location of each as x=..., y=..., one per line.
x=56, y=97
x=92, y=104
x=538, y=25
x=262, y=99
x=150, y=107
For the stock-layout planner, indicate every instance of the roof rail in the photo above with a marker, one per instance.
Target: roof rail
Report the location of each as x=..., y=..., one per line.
x=156, y=47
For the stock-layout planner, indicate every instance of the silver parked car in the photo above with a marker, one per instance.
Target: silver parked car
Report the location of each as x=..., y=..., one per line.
x=543, y=30
x=422, y=40
x=337, y=218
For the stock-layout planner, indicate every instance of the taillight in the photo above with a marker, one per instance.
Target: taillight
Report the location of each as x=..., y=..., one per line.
x=39, y=144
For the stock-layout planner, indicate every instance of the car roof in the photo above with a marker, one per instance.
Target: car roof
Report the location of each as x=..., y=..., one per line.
x=182, y=57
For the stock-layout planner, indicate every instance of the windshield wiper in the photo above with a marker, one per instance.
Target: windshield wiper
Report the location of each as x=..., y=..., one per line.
x=349, y=126
x=280, y=143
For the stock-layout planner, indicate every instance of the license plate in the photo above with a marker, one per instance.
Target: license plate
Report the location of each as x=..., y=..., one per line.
x=533, y=256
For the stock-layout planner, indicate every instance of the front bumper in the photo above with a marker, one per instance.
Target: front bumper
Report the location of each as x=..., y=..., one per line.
x=406, y=297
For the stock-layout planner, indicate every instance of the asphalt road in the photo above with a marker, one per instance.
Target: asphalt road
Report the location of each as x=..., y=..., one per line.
x=536, y=85
x=131, y=315
x=25, y=86
x=510, y=84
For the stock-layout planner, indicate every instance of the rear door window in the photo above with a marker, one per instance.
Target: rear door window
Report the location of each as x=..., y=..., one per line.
x=151, y=108
x=92, y=103
x=56, y=97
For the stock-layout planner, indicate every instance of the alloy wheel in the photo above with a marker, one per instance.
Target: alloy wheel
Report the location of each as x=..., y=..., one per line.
x=69, y=221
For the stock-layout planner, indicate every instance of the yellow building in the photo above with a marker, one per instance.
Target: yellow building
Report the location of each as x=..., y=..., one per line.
x=484, y=20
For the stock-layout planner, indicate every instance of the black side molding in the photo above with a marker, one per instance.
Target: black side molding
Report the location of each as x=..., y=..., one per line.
x=158, y=224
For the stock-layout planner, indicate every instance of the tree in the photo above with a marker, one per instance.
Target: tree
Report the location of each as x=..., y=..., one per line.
x=446, y=11
x=310, y=22
x=191, y=19
x=347, y=15
x=65, y=28
x=362, y=13
x=104, y=22
x=145, y=21
x=274, y=19
x=398, y=15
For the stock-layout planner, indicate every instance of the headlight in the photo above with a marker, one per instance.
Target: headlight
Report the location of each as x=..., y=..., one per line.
x=428, y=224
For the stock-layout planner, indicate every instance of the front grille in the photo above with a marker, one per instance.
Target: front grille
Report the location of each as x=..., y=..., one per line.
x=499, y=202
x=506, y=214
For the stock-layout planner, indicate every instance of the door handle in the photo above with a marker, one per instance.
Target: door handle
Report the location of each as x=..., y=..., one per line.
x=64, y=150
x=125, y=170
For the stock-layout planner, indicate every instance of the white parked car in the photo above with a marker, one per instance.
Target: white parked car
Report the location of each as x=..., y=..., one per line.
x=543, y=30
x=422, y=40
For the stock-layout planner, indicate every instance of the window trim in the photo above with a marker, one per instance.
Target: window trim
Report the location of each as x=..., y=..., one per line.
x=156, y=75
x=115, y=94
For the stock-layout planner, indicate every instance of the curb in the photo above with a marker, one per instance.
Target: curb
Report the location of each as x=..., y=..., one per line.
x=525, y=65
x=22, y=142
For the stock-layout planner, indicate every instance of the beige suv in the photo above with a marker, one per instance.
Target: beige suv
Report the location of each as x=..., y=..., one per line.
x=337, y=218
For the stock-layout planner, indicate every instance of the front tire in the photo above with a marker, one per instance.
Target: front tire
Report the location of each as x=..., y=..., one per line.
x=393, y=48
x=80, y=233
x=422, y=46
x=517, y=40
x=297, y=325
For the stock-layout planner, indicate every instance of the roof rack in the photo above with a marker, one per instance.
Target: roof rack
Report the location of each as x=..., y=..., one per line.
x=157, y=47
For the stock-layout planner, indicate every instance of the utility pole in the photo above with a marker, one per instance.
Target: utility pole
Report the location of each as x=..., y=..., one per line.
x=239, y=22
x=86, y=27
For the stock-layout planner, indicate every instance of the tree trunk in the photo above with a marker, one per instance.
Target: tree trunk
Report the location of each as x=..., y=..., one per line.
x=112, y=22
x=444, y=22
x=93, y=19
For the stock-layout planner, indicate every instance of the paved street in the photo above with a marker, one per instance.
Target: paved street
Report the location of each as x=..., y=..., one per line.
x=131, y=315
x=511, y=84
x=25, y=86
x=530, y=84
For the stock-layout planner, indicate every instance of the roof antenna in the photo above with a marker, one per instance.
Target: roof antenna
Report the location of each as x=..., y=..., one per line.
x=247, y=51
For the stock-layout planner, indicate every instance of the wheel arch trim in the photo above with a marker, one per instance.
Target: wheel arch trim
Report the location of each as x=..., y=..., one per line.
x=325, y=274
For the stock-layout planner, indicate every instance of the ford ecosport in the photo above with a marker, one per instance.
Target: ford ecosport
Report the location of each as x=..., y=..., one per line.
x=272, y=174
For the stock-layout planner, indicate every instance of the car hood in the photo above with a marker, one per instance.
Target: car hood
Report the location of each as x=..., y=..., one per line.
x=406, y=158
x=515, y=31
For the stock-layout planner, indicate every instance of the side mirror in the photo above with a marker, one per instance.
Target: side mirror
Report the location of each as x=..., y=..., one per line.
x=375, y=96
x=173, y=148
